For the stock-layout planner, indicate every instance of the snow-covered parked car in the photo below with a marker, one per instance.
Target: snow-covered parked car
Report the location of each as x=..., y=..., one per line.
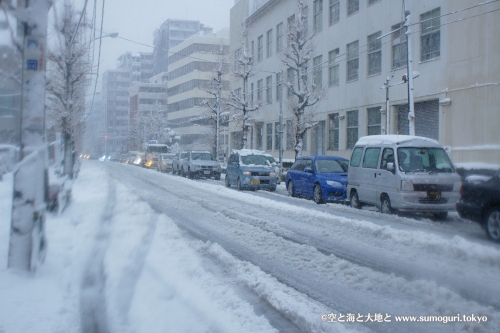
x=250, y=169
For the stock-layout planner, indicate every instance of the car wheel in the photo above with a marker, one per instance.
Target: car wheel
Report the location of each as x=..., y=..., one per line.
x=318, y=198
x=183, y=174
x=385, y=205
x=238, y=184
x=492, y=224
x=173, y=171
x=226, y=181
x=272, y=189
x=291, y=189
x=217, y=177
x=440, y=215
x=355, y=200
x=190, y=174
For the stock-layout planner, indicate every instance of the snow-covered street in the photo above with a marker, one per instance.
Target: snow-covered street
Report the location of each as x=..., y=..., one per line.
x=142, y=251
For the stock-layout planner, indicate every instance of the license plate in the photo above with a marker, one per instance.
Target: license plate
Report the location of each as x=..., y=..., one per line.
x=255, y=181
x=434, y=195
x=206, y=172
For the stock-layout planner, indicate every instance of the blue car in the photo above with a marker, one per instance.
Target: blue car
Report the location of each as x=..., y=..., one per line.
x=250, y=169
x=322, y=178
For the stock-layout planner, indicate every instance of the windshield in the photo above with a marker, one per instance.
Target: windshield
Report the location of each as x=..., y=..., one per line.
x=202, y=156
x=411, y=159
x=254, y=160
x=157, y=149
x=326, y=166
x=270, y=159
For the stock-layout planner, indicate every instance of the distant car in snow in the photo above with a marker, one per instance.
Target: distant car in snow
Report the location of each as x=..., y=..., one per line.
x=480, y=202
x=165, y=162
x=200, y=164
x=322, y=178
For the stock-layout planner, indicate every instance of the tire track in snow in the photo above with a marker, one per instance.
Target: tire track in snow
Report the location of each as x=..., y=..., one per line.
x=93, y=313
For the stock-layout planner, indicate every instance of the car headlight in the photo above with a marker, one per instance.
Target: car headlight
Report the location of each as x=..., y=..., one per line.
x=406, y=185
x=334, y=183
x=246, y=173
x=272, y=174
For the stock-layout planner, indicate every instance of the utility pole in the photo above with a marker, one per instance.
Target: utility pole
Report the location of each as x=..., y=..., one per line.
x=281, y=122
x=27, y=244
x=219, y=78
x=411, y=110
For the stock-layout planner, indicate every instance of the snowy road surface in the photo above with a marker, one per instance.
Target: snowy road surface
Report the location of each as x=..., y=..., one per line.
x=295, y=255
x=138, y=251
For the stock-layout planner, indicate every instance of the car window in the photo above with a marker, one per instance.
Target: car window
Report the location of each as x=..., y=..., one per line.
x=298, y=165
x=356, y=156
x=387, y=157
x=371, y=158
x=254, y=160
x=202, y=156
x=326, y=166
x=309, y=164
x=425, y=159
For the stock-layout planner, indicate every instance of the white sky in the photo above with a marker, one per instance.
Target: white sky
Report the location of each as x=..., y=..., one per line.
x=137, y=20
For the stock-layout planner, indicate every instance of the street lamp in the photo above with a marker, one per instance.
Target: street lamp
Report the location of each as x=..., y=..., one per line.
x=112, y=35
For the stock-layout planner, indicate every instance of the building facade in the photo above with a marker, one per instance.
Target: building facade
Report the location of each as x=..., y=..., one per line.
x=190, y=74
x=171, y=33
x=148, y=102
x=360, y=45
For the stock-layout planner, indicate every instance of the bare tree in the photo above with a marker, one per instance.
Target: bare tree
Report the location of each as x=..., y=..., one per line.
x=217, y=107
x=69, y=66
x=296, y=57
x=153, y=125
x=240, y=100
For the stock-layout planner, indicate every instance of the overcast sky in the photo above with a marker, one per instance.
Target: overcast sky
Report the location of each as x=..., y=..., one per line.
x=137, y=20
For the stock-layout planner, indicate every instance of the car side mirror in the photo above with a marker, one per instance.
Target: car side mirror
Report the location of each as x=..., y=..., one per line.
x=390, y=167
x=308, y=170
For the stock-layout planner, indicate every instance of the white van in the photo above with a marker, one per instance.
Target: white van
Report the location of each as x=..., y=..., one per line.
x=402, y=172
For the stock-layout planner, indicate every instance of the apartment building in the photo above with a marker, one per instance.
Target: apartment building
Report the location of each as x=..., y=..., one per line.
x=359, y=47
x=139, y=64
x=115, y=84
x=145, y=99
x=171, y=33
x=190, y=72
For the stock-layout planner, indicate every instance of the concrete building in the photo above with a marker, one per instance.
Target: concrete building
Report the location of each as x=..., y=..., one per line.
x=139, y=64
x=170, y=34
x=144, y=99
x=190, y=71
x=115, y=84
x=457, y=94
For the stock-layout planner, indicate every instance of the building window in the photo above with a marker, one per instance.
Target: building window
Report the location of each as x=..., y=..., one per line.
x=374, y=127
x=269, y=89
x=251, y=93
x=352, y=7
x=290, y=135
x=430, y=34
x=277, y=136
x=279, y=85
x=279, y=37
x=269, y=50
x=333, y=68
x=252, y=50
x=334, y=11
x=260, y=129
x=399, y=47
x=291, y=76
x=318, y=15
x=318, y=71
x=237, y=55
x=260, y=48
x=371, y=2
x=374, y=54
x=260, y=87
x=333, y=137
x=352, y=128
x=269, y=136
x=352, y=61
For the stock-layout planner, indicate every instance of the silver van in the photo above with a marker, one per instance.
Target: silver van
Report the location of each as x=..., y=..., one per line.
x=402, y=172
